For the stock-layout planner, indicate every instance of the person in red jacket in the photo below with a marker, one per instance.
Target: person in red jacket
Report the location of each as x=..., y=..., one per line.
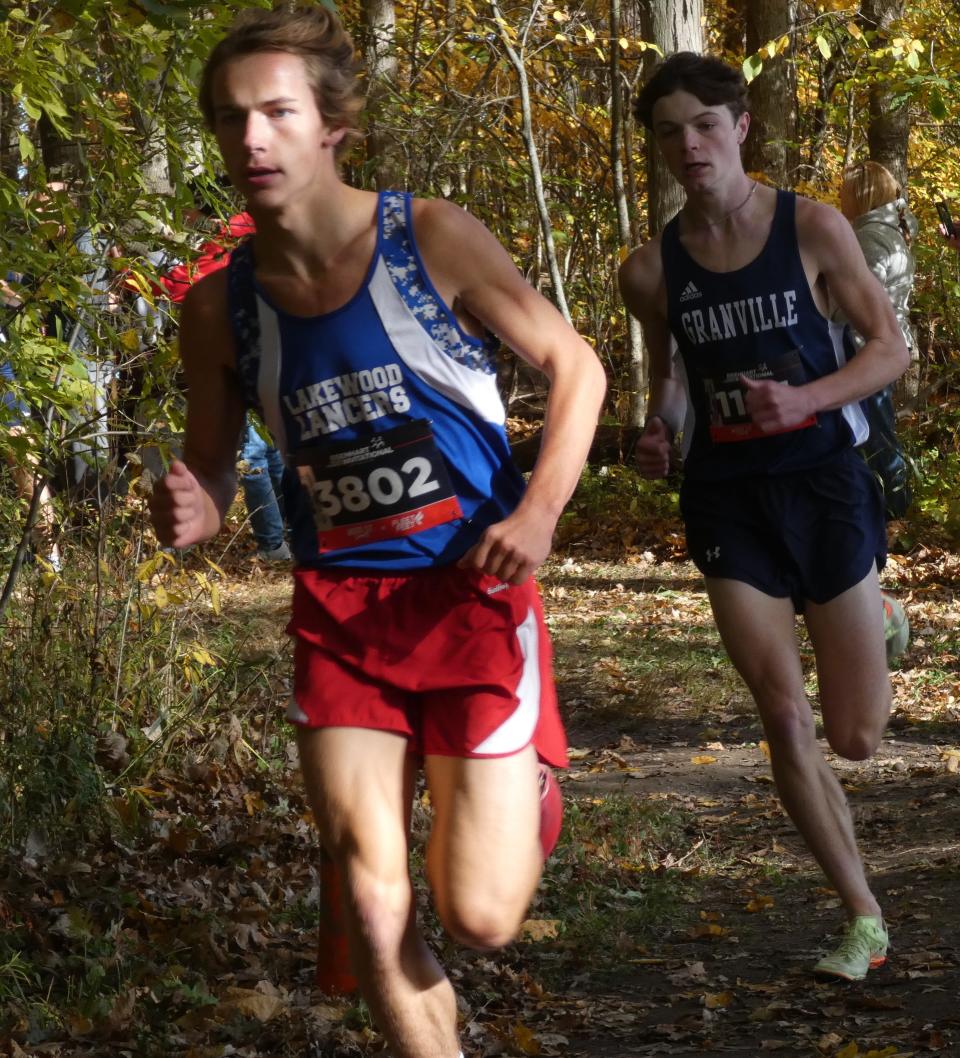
x=212, y=256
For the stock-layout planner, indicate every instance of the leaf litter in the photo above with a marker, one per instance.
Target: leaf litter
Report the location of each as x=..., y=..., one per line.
x=680, y=914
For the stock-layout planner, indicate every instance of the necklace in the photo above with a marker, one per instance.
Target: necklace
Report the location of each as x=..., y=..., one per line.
x=736, y=209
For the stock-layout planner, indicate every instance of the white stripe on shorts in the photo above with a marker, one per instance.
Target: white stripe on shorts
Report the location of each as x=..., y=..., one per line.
x=517, y=730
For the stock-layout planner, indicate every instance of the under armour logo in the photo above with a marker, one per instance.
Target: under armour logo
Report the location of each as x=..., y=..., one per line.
x=713, y=552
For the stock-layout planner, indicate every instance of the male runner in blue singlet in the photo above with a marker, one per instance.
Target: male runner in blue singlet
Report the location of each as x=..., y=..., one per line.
x=781, y=514
x=360, y=327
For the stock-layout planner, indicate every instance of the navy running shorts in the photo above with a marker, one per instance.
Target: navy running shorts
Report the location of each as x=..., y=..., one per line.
x=809, y=535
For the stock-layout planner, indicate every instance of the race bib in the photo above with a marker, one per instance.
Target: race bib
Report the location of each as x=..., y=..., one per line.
x=729, y=418
x=381, y=487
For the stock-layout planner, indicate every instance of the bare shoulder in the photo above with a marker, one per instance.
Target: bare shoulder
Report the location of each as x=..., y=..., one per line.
x=439, y=217
x=445, y=230
x=820, y=226
x=641, y=275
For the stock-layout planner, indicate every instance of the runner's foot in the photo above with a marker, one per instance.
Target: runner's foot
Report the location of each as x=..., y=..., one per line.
x=863, y=948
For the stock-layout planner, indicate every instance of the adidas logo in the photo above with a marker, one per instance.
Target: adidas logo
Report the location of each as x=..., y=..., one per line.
x=690, y=292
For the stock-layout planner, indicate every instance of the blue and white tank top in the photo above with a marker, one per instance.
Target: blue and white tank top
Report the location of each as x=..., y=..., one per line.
x=760, y=321
x=386, y=411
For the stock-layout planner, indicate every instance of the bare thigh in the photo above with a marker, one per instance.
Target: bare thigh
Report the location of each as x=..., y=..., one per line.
x=847, y=637
x=360, y=784
x=760, y=635
x=484, y=857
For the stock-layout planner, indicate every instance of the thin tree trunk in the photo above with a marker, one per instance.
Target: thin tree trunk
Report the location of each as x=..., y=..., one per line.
x=635, y=349
x=888, y=131
x=380, y=55
x=673, y=25
x=526, y=111
x=771, y=145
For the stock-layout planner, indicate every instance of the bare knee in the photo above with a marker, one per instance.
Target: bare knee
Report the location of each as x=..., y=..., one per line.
x=854, y=742
x=787, y=722
x=480, y=922
x=381, y=910
x=854, y=725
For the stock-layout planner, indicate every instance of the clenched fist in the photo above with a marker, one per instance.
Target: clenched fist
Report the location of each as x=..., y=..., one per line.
x=179, y=507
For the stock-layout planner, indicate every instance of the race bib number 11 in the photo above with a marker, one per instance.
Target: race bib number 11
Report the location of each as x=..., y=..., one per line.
x=729, y=418
x=381, y=487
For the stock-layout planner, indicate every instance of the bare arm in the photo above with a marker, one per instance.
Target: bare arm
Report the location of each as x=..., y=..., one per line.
x=830, y=250
x=641, y=285
x=487, y=284
x=190, y=502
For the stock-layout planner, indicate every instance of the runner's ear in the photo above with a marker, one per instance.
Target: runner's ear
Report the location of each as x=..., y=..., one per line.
x=333, y=137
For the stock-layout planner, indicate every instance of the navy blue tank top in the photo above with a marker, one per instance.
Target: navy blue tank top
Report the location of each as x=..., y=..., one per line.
x=386, y=411
x=760, y=321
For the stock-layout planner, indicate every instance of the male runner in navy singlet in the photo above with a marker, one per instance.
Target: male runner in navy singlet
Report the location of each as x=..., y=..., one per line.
x=359, y=325
x=781, y=514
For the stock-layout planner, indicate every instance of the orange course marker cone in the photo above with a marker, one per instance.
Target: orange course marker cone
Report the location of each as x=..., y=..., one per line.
x=334, y=976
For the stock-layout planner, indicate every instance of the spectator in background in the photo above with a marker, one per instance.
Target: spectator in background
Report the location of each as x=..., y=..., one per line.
x=261, y=476
x=873, y=202
x=261, y=465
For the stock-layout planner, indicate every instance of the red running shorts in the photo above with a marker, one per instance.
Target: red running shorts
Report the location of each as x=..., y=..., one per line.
x=456, y=660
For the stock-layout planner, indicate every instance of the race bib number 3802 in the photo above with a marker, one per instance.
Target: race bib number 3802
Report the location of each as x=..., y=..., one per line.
x=729, y=418
x=381, y=487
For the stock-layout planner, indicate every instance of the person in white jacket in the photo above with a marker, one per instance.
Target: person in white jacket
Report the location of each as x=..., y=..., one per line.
x=874, y=203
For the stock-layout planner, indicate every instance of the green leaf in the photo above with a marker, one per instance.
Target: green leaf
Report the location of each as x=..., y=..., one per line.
x=752, y=67
x=27, y=150
x=823, y=46
x=936, y=106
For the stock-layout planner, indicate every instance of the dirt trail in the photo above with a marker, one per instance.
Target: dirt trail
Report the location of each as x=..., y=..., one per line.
x=734, y=977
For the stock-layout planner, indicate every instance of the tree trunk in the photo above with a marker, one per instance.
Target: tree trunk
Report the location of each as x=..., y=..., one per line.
x=888, y=130
x=673, y=25
x=771, y=145
x=526, y=111
x=380, y=57
x=635, y=349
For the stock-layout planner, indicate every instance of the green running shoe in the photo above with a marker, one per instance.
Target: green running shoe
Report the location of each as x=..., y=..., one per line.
x=863, y=948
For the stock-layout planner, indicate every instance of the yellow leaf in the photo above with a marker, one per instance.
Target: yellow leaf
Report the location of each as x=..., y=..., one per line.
x=130, y=340
x=253, y=802
x=709, y=930
x=760, y=903
x=624, y=43
x=591, y=36
x=850, y=1051
x=526, y=1039
x=703, y=758
x=561, y=16
x=855, y=31
x=539, y=929
x=764, y=748
x=951, y=757
x=215, y=598
x=717, y=1000
x=160, y=597
x=248, y=1002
